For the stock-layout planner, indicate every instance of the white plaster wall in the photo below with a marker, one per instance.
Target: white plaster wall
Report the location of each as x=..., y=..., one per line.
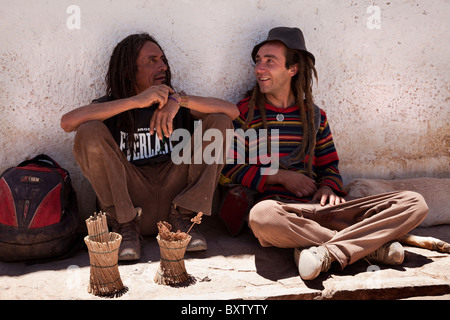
x=386, y=90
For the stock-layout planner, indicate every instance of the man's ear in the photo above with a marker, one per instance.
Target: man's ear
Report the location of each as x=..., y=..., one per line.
x=293, y=70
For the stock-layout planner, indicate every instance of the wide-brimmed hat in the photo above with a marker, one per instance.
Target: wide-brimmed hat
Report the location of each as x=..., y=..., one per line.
x=291, y=37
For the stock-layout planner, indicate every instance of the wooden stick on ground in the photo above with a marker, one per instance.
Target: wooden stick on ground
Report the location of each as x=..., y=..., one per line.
x=429, y=243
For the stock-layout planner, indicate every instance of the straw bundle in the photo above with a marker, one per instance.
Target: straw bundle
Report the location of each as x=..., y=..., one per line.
x=171, y=270
x=172, y=246
x=103, y=249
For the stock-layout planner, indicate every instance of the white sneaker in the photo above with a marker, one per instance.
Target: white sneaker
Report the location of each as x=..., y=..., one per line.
x=391, y=253
x=311, y=262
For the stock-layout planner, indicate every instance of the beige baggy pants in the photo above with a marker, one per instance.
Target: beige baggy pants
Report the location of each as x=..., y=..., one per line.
x=349, y=231
x=120, y=186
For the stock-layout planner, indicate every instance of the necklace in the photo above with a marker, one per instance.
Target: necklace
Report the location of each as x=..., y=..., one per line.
x=280, y=117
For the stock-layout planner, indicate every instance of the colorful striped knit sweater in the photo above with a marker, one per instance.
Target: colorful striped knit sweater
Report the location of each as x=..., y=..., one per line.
x=325, y=162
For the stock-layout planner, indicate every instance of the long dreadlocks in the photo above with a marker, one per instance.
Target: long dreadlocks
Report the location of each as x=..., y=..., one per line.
x=121, y=77
x=301, y=86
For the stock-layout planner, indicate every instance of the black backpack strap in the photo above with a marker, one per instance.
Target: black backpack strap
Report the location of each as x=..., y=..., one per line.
x=42, y=160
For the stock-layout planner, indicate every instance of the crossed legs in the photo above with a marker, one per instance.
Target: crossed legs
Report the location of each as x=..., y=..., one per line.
x=349, y=231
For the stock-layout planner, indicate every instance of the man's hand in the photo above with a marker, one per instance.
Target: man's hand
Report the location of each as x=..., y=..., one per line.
x=295, y=182
x=325, y=194
x=162, y=119
x=154, y=94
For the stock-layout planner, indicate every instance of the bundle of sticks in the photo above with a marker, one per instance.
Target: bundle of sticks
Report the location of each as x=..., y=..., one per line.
x=172, y=246
x=103, y=247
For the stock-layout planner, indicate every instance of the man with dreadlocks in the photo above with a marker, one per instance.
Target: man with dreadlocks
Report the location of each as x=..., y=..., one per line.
x=123, y=146
x=302, y=205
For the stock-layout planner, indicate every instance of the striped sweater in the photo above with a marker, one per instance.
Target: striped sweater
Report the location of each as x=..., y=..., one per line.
x=248, y=174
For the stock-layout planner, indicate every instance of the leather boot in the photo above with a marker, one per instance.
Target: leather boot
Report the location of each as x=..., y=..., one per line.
x=180, y=219
x=130, y=247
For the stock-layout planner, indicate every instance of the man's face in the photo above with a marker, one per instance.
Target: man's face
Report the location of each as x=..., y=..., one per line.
x=151, y=68
x=270, y=69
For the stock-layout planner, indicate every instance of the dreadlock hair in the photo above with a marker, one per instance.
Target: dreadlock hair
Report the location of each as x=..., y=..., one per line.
x=301, y=86
x=121, y=77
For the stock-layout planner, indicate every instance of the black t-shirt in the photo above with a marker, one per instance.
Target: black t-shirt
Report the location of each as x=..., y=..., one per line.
x=147, y=148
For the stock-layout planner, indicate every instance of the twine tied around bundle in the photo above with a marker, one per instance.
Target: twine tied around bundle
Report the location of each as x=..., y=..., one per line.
x=103, y=247
x=172, y=246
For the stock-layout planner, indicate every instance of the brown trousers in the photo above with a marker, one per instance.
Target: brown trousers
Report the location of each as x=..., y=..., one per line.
x=121, y=186
x=350, y=231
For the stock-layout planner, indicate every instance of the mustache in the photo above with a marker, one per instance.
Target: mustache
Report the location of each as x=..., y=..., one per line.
x=160, y=75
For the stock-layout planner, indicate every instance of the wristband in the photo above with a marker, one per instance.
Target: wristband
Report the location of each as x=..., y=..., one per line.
x=184, y=99
x=171, y=98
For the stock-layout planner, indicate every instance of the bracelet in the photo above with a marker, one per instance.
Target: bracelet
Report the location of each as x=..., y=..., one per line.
x=184, y=99
x=171, y=98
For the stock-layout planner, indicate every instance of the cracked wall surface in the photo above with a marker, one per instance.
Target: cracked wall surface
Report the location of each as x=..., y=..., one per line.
x=383, y=71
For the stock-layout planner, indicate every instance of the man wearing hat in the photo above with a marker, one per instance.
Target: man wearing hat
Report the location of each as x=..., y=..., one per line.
x=302, y=205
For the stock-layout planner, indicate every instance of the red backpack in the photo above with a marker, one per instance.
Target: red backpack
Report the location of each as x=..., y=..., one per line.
x=38, y=211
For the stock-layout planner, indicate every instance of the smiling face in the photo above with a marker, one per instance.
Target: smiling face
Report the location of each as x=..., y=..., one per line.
x=151, y=67
x=270, y=69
